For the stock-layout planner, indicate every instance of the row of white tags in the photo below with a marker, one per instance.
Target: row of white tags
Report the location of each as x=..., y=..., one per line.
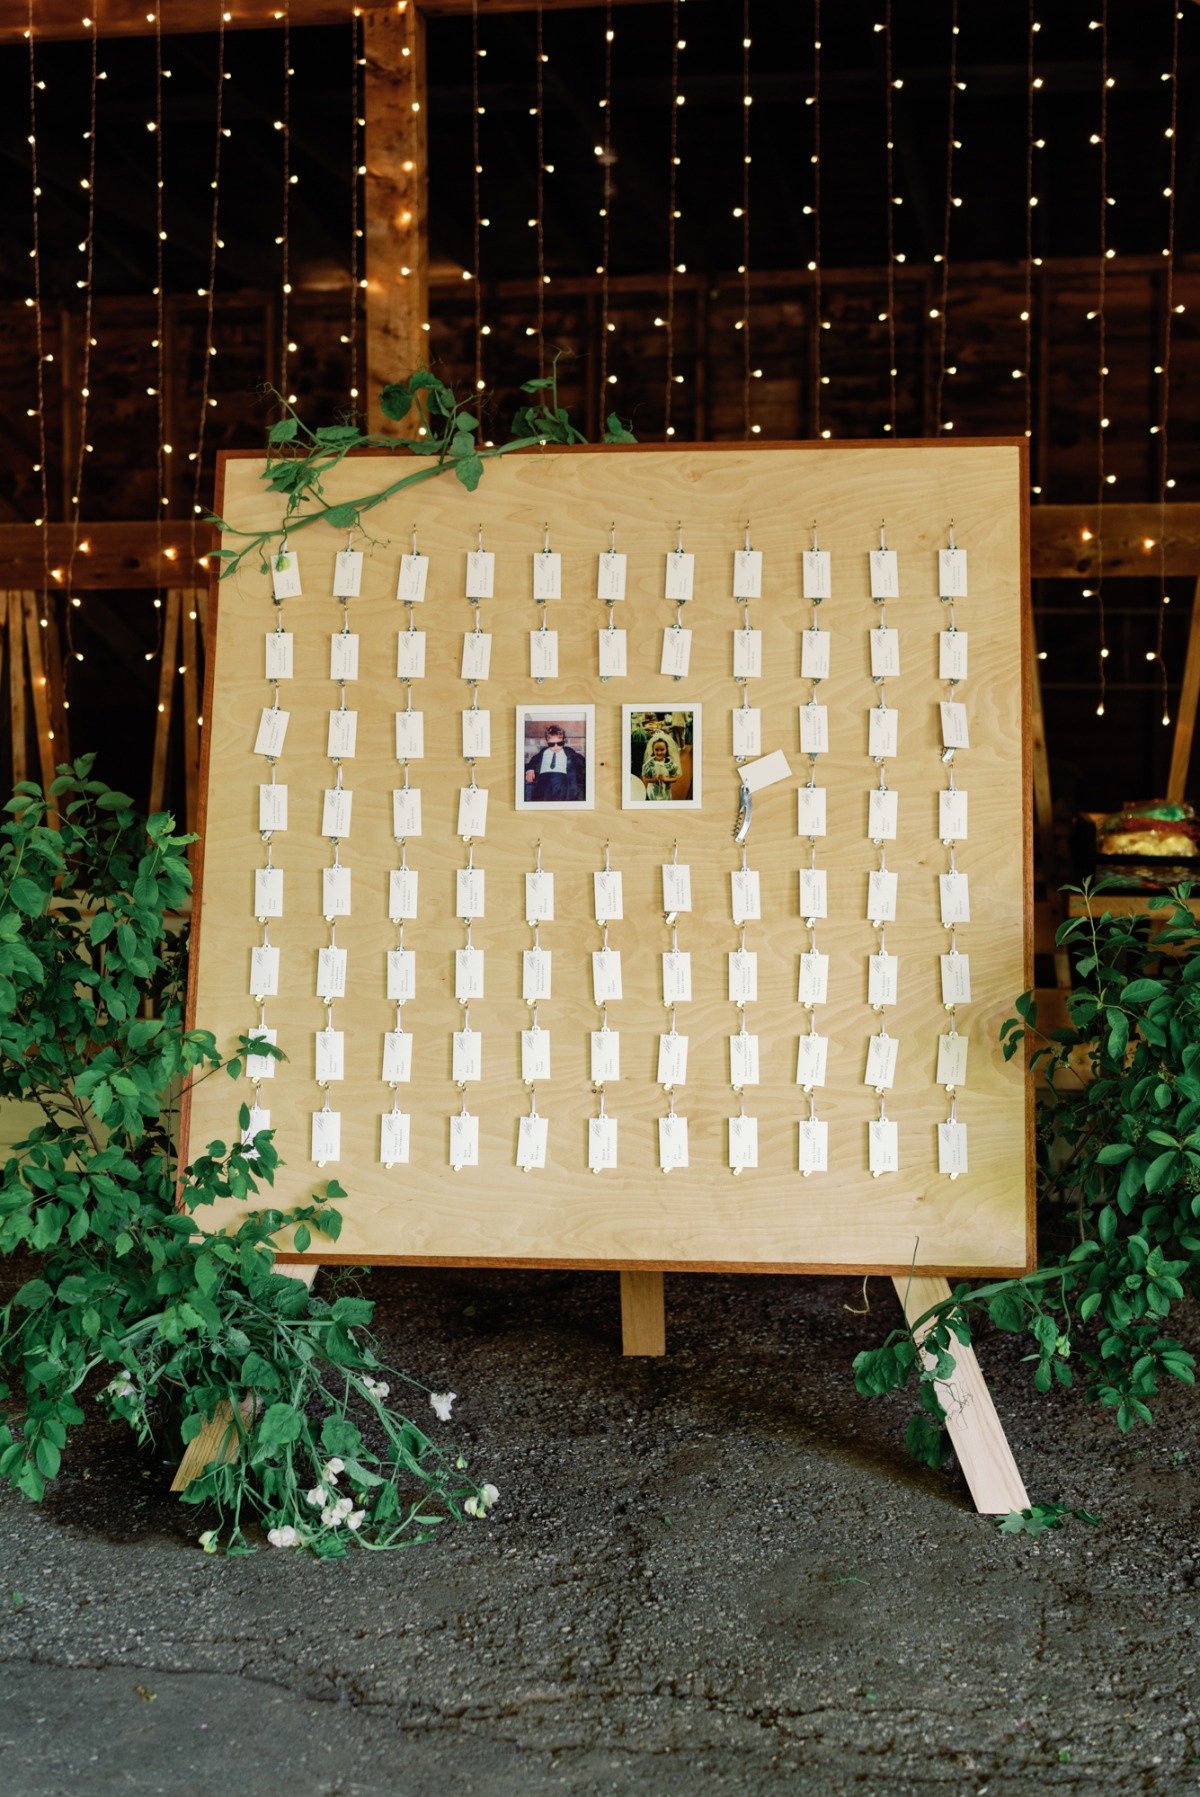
x=883, y=728
x=611, y=569
x=533, y=1134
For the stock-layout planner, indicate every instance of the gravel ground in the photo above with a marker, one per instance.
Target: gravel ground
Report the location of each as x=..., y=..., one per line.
x=717, y=1572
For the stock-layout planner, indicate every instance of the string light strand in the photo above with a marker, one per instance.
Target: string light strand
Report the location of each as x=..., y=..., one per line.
x=1102, y=477
x=214, y=243
x=951, y=203
x=38, y=320
x=815, y=264
x=541, y=196
x=889, y=108
x=1164, y=478
x=285, y=126
x=85, y=372
x=476, y=200
x=606, y=198
x=747, y=102
x=672, y=184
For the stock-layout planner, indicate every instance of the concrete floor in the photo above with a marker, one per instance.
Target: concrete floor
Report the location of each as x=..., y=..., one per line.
x=717, y=1572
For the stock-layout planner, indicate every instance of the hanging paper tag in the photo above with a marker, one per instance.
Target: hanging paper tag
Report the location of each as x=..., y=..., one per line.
x=952, y=655
x=279, y=655
x=814, y=654
x=264, y=972
x=882, y=815
x=810, y=811
x=743, y=1141
x=394, y=1136
x=285, y=574
x=881, y=1062
x=818, y=574
x=535, y=974
x=610, y=576
x=952, y=816
x=745, y=896
x=414, y=576
x=532, y=1137
x=543, y=654
x=476, y=655
x=272, y=732
x=677, y=584
x=676, y=651
x=812, y=1059
x=676, y=886
x=885, y=653
x=259, y=1118
x=464, y=1140
x=952, y=1147
x=747, y=573
x=814, y=978
x=747, y=654
x=401, y=975
x=742, y=964
x=468, y=973
x=743, y=1060
x=956, y=978
x=268, y=892
x=814, y=1145
x=955, y=734
x=272, y=809
x=347, y=573
x=605, y=1056
x=539, y=898
x=260, y=1066
x=335, y=892
x=672, y=1142
x=343, y=735
x=472, y=811
x=881, y=896
x=547, y=575
x=814, y=729
x=885, y=574
x=952, y=1060
x=814, y=892
x=676, y=977
x=397, y=1057
x=614, y=654
x=402, y=894
x=883, y=737
x=466, y=1056
x=410, y=655
x=331, y=973
x=481, y=573
x=952, y=573
x=768, y=770
x=343, y=655
x=326, y=1136
x=330, y=1055
x=955, y=898
x=535, y=1055
x=337, y=807
x=883, y=979
x=410, y=735
x=608, y=891
x=883, y=1147
x=747, y=731
x=468, y=892
x=606, y=974
x=602, y=1142
x=406, y=812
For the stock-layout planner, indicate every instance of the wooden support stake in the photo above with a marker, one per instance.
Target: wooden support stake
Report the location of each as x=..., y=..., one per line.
x=189, y=636
x=217, y=1439
x=643, y=1317
x=16, y=686
x=1185, y=714
x=166, y=697
x=979, y=1440
x=1043, y=815
x=396, y=196
x=39, y=690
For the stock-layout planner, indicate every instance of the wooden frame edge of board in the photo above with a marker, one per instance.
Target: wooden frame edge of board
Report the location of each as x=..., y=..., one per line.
x=1027, y=667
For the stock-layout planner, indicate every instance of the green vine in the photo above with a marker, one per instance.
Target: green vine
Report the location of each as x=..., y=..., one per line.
x=300, y=460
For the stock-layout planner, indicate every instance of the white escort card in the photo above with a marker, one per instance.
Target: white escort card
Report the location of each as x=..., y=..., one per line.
x=342, y=735
x=608, y=895
x=605, y=1056
x=747, y=654
x=882, y=815
x=410, y=655
x=464, y=1140
x=543, y=656
x=264, y=971
x=602, y=1143
x=747, y=731
x=606, y=975
x=814, y=1145
x=481, y=574
x=745, y=896
x=331, y=972
x=747, y=573
x=883, y=1146
x=414, y=577
x=743, y=1142
x=610, y=576
x=278, y=654
x=814, y=978
x=676, y=977
x=810, y=811
x=468, y=974
x=285, y=574
x=956, y=978
x=472, y=811
x=677, y=582
x=406, y=812
x=885, y=652
x=539, y=897
x=955, y=898
x=952, y=1148
x=268, y=892
x=672, y=1142
x=533, y=1134
x=955, y=731
x=401, y=975
x=337, y=809
x=952, y=1059
x=885, y=574
x=676, y=651
x=743, y=1060
x=395, y=1134
x=547, y=575
x=335, y=892
x=343, y=655
x=881, y=1062
x=535, y=1055
x=330, y=1056
x=817, y=569
x=814, y=892
x=410, y=735
x=536, y=968
x=469, y=891
x=672, y=1059
x=326, y=1136
x=814, y=729
x=883, y=979
x=952, y=655
x=812, y=1060
x=952, y=573
x=258, y=1118
x=883, y=735
x=742, y=965
x=952, y=816
x=272, y=808
x=814, y=654
x=676, y=887
x=347, y=573
x=397, y=1057
x=466, y=1056
x=272, y=732
x=476, y=654
x=260, y=1066
x=613, y=654
x=881, y=896
x=476, y=734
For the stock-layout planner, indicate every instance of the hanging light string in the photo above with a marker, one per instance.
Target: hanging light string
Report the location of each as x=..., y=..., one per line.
x=160, y=302
x=747, y=101
x=214, y=243
x=815, y=264
x=357, y=171
x=892, y=202
x=606, y=193
x=1169, y=309
x=944, y=424
x=540, y=87
x=1030, y=203
x=1103, y=479
x=672, y=215
x=285, y=125
x=476, y=173
x=85, y=372
x=38, y=322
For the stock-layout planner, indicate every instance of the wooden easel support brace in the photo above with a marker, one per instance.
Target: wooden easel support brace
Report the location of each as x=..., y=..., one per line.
x=643, y=1315
x=979, y=1440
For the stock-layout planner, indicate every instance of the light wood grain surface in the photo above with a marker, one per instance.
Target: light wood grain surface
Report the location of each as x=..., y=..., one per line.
x=636, y=1216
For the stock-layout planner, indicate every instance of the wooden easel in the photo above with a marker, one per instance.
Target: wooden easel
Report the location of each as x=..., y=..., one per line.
x=34, y=680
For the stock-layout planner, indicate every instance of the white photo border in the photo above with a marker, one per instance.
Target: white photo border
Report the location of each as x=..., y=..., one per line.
x=567, y=712
x=695, y=800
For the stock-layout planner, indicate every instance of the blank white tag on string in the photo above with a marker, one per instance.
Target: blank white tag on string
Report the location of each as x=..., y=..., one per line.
x=395, y=1135
x=278, y=654
x=343, y=655
x=272, y=808
x=272, y=732
x=335, y=891
x=268, y=892
x=533, y=1134
x=406, y=812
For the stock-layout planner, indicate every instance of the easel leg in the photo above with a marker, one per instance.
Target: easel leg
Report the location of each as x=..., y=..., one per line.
x=979, y=1440
x=643, y=1318
x=206, y=1447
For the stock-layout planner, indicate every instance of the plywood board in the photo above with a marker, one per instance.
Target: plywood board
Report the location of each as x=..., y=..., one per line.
x=636, y=1216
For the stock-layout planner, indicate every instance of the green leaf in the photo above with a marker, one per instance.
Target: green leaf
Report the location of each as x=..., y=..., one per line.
x=280, y=1424
x=396, y=400
x=616, y=432
x=1114, y=1154
x=352, y=1311
x=469, y=471
x=27, y=895
x=283, y=431
x=1007, y=1310
x=342, y=517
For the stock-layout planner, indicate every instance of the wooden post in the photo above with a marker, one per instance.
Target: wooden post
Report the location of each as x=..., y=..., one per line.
x=189, y=636
x=1043, y=817
x=1185, y=713
x=979, y=1440
x=166, y=697
x=643, y=1318
x=39, y=690
x=16, y=686
x=396, y=209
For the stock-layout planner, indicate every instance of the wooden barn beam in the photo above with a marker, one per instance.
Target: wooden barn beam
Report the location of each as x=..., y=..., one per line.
x=396, y=192
x=118, y=556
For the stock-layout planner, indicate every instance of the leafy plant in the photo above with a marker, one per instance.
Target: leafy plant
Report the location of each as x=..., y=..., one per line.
x=1118, y=1164
x=190, y=1326
x=445, y=436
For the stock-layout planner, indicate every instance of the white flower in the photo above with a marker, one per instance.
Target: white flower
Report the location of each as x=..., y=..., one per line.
x=489, y=1496
x=317, y=1496
x=442, y=1403
x=331, y=1517
x=284, y=1537
x=334, y=1467
x=209, y=1541
x=382, y=1388
x=473, y=1507
x=355, y=1519
x=121, y=1387
x=343, y=1507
